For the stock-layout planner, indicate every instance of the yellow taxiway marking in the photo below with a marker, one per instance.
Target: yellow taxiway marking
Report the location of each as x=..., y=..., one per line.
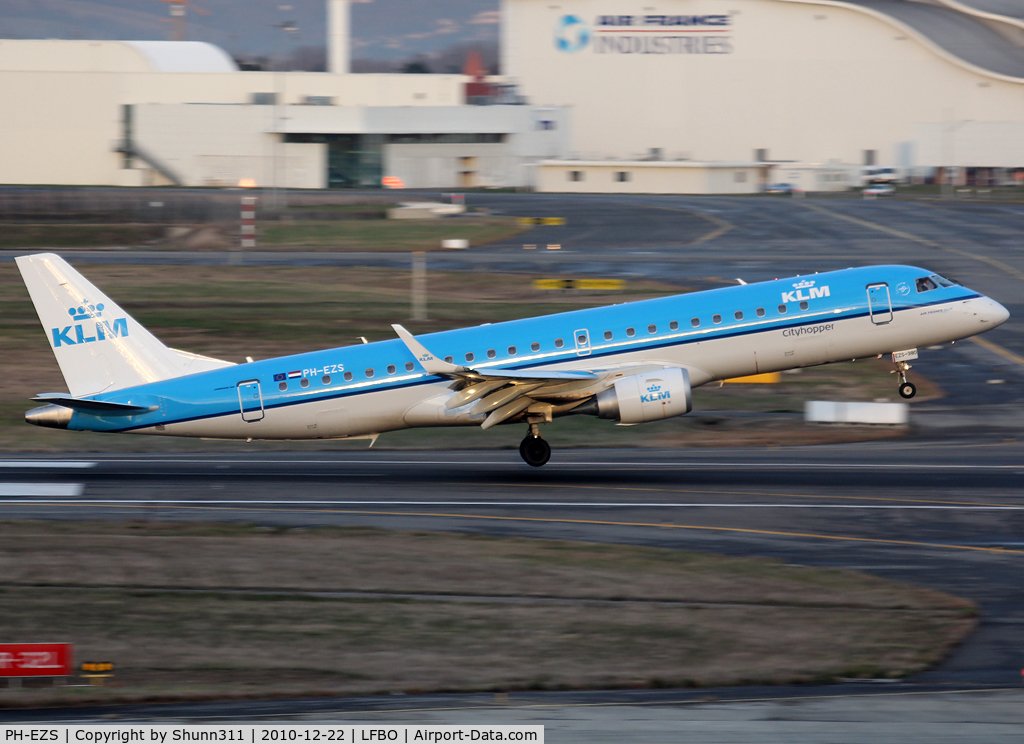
x=723, y=226
x=997, y=349
x=923, y=241
x=546, y=520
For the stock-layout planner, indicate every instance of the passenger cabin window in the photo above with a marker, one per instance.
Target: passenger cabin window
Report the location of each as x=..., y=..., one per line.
x=369, y=372
x=760, y=312
x=607, y=335
x=739, y=315
x=652, y=328
x=326, y=379
x=535, y=346
x=391, y=369
x=282, y=386
x=491, y=353
x=804, y=305
x=348, y=377
x=926, y=284
x=559, y=343
x=304, y=382
x=631, y=332
x=512, y=350
x=409, y=366
x=673, y=326
x=716, y=319
x=449, y=359
x=469, y=356
x=695, y=322
x=782, y=309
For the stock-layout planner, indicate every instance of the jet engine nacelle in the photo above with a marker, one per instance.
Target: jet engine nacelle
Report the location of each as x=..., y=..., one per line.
x=647, y=396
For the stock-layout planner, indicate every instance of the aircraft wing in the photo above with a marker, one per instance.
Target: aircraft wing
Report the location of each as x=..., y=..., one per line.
x=502, y=393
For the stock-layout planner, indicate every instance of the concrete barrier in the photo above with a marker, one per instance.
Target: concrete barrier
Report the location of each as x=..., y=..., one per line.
x=843, y=412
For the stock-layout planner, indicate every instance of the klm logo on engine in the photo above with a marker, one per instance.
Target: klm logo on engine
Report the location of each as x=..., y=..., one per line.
x=798, y=295
x=654, y=394
x=87, y=332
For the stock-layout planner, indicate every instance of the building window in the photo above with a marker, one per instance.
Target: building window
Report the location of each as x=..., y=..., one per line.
x=575, y=175
x=319, y=100
x=622, y=176
x=761, y=155
x=263, y=99
x=326, y=379
x=870, y=156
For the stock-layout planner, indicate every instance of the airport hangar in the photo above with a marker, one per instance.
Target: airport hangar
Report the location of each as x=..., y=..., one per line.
x=692, y=95
x=685, y=96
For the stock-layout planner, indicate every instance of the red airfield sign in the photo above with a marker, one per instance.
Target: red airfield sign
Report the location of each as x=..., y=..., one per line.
x=36, y=659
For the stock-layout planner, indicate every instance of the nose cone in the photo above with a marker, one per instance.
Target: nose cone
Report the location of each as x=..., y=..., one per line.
x=52, y=417
x=993, y=314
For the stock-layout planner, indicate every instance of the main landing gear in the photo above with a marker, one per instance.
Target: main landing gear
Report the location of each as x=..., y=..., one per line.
x=534, y=450
x=907, y=389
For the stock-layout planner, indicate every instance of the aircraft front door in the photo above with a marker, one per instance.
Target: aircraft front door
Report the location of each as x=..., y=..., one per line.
x=250, y=400
x=879, y=303
x=582, y=338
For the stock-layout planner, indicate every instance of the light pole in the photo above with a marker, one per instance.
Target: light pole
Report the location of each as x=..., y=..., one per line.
x=280, y=85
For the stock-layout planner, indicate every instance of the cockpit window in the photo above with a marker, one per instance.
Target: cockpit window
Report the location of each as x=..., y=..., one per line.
x=943, y=281
x=926, y=284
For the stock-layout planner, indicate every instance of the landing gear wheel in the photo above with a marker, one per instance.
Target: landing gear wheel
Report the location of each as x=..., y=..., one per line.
x=907, y=389
x=534, y=451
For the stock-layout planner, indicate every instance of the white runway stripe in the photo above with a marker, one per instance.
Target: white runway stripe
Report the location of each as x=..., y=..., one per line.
x=61, y=490
x=46, y=464
x=530, y=504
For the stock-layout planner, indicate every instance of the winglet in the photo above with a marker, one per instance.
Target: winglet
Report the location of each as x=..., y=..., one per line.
x=430, y=363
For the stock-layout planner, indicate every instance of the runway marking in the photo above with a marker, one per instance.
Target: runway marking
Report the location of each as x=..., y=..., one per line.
x=923, y=241
x=40, y=489
x=529, y=504
x=997, y=349
x=46, y=464
x=559, y=520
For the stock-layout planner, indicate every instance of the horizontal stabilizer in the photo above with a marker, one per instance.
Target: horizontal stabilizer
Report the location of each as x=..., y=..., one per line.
x=96, y=407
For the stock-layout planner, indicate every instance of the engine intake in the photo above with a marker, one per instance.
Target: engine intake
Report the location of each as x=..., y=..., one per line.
x=648, y=396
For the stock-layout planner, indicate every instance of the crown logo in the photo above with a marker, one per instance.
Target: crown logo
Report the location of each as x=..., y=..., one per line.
x=86, y=311
x=803, y=285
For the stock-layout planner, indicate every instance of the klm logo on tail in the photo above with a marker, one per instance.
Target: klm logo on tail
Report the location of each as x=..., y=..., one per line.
x=103, y=329
x=812, y=292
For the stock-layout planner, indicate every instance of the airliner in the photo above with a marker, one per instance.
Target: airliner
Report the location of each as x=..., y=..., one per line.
x=630, y=363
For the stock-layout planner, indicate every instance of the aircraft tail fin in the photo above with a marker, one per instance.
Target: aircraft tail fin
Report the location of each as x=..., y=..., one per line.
x=98, y=346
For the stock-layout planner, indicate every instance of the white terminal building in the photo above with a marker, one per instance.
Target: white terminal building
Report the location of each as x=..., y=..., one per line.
x=662, y=96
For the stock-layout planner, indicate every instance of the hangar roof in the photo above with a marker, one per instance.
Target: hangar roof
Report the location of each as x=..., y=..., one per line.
x=63, y=55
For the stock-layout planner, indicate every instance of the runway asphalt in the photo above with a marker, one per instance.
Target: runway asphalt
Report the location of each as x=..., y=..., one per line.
x=941, y=509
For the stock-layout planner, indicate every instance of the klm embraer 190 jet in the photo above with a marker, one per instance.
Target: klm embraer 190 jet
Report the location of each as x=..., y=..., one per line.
x=631, y=363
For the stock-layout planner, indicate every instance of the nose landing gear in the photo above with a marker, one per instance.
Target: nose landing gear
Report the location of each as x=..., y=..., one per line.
x=907, y=389
x=534, y=450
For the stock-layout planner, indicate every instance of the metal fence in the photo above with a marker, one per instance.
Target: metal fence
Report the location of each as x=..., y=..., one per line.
x=51, y=205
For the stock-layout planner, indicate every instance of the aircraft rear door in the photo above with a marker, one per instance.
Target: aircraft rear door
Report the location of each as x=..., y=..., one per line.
x=879, y=303
x=250, y=400
x=582, y=339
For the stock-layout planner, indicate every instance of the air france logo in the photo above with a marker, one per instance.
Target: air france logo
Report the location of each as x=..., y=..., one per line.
x=798, y=295
x=903, y=289
x=654, y=394
x=571, y=34
x=99, y=329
